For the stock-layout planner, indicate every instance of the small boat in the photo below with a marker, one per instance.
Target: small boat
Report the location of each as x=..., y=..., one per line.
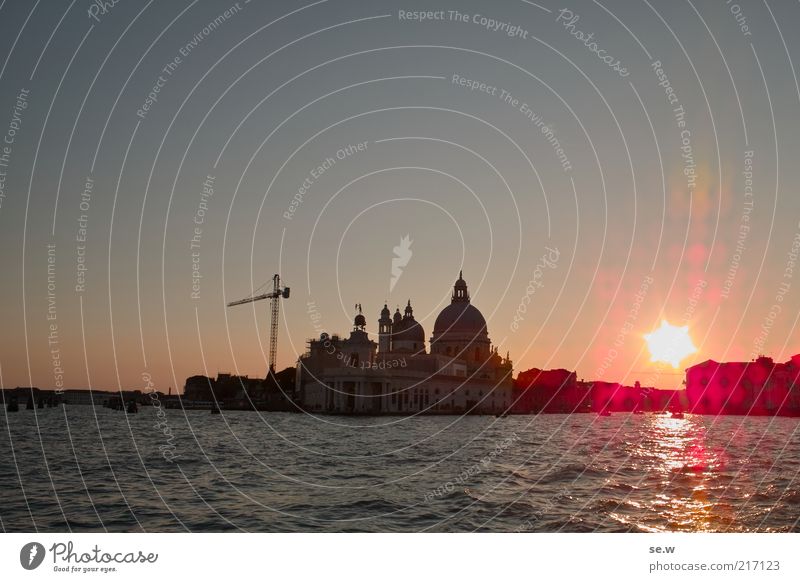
x=638, y=412
x=13, y=406
x=132, y=407
x=677, y=414
x=604, y=412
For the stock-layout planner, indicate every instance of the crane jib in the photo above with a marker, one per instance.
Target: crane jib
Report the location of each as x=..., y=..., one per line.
x=275, y=295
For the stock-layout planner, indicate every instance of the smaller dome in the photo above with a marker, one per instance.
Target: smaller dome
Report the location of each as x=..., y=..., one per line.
x=385, y=313
x=408, y=333
x=397, y=317
x=408, y=330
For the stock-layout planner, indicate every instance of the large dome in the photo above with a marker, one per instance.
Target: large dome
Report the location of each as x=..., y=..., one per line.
x=460, y=317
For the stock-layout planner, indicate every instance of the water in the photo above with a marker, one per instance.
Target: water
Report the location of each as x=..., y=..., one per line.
x=103, y=471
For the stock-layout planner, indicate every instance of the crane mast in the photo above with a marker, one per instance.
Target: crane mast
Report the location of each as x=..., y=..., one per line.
x=273, y=322
x=274, y=296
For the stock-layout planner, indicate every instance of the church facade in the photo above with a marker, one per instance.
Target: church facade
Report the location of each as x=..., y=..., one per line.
x=461, y=373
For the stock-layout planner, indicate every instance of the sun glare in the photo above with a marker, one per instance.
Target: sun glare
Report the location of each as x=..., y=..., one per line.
x=670, y=344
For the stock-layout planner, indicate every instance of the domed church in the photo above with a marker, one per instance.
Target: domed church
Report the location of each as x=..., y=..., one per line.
x=462, y=373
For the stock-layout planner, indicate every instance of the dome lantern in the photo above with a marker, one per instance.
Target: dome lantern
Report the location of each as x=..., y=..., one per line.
x=460, y=291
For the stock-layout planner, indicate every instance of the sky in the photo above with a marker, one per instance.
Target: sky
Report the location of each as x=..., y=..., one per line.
x=594, y=168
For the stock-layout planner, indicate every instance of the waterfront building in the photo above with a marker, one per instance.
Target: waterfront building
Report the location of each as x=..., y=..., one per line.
x=550, y=391
x=462, y=372
x=759, y=387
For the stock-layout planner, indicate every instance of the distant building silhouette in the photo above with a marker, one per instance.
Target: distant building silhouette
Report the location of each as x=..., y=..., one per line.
x=559, y=392
x=233, y=392
x=615, y=397
x=86, y=397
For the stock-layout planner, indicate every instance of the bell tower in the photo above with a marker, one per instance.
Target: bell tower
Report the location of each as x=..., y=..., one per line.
x=385, y=330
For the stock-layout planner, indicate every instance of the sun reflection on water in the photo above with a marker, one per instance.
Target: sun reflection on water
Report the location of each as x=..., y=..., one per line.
x=688, y=472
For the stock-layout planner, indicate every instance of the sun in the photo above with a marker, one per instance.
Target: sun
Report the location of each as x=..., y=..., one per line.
x=670, y=344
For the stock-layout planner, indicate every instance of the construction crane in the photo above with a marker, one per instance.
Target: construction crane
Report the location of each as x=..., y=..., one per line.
x=274, y=296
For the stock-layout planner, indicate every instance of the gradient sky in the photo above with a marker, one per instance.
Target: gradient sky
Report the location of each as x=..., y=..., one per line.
x=275, y=89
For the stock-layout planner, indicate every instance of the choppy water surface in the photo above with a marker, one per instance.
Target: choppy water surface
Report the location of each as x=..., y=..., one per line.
x=84, y=469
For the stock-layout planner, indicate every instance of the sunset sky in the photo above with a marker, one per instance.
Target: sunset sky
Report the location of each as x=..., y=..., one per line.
x=665, y=188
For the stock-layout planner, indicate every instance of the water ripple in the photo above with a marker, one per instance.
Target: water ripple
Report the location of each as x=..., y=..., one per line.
x=286, y=472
